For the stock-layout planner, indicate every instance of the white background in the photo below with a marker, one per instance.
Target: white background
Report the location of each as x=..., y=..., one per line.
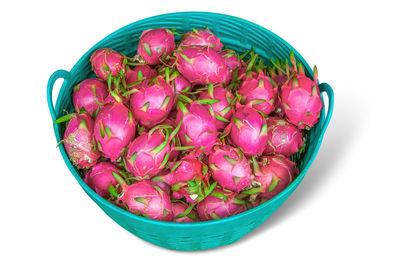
x=346, y=211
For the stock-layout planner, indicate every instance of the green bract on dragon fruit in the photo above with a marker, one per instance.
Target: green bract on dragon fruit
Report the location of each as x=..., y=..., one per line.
x=186, y=130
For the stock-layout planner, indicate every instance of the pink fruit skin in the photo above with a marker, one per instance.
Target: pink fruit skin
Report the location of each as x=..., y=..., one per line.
x=175, y=141
x=117, y=117
x=89, y=94
x=222, y=108
x=233, y=62
x=248, y=131
x=160, y=99
x=160, y=42
x=105, y=61
x=229, y=169
x=201, y=38
x=180, y=83
x=212, y=208
x=183, y=194
x=180, y=207
x=164, y=186
x=201, y=65
x=147, y=199
x=111, y=99
x=277, y=172
x=283, y=137
x=280, y=78
x=78, y=141
x=147, y=161
x=242, y=71
x=100, y=177
x=279, y=111
x=198, y=128
x=189, y=168
x=258, y=87
x=302, y=103
x=177, y=195
x=147, y=73
x=174, y=153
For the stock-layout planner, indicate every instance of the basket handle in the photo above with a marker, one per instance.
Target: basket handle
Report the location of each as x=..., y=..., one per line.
x=325, y=87
x=53, y=78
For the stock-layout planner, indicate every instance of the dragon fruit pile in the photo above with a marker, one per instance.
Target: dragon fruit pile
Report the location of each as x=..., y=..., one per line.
x=188, y=131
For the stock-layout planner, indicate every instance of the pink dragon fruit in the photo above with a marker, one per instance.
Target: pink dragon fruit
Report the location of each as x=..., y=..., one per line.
x=259, y=92
x=106, y=62
x=201, y=38
x=145, y=198
x=178, y=82
x=179, y=209
x=181, y=84
x=272, y=175
x=222, y=109
x=198, y=127
x=113, y=129
x=188, y=178
x=164, y=186
x=78, y=141
x=230, y=168
x=242, y=71
x=140, y=72
x=174, y=153
x=152, y=101
x=279, y=111
x=248, y=131
x=279, y=72
x=191, y=193
x=117, y=96
x=149, y=153
x=201, y=65
x=233, y=62
x=100, y=177
x=90, y=95
x=155, y=45
x=283, y=137
x=188, y=168
x=301, y=100
x=220, y=204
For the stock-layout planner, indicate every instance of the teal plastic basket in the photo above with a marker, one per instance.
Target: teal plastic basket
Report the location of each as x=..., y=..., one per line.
x=235, y=33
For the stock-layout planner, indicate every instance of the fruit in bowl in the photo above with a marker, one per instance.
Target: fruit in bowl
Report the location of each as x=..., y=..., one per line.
x=217, y=129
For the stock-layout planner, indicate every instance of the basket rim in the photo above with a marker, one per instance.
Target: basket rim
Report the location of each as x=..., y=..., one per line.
x=272, y=201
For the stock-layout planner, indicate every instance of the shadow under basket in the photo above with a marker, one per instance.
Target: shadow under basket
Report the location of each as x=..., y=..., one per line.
x=237, y=34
